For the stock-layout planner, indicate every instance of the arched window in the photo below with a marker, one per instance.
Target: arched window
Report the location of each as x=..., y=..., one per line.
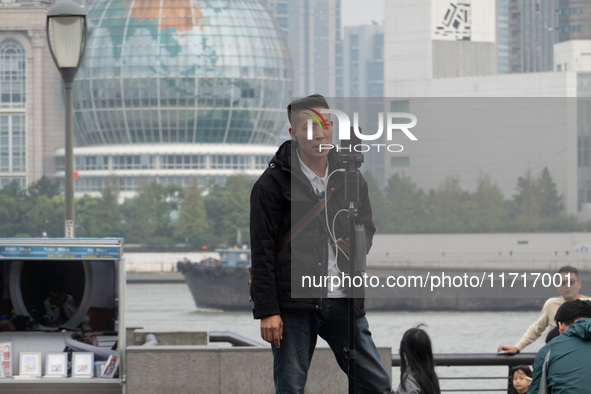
x=12, y=75
x=13, y=146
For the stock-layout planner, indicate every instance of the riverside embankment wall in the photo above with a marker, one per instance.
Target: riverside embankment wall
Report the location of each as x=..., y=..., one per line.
x=193, y=365
x=524, y=251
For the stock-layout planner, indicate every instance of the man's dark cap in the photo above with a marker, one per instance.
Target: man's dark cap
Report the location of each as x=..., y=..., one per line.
x=312, y=101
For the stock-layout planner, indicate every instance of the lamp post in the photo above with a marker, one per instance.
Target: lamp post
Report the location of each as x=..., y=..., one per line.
x=66, y=35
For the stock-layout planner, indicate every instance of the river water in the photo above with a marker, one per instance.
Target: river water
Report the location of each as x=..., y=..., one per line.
x=161, y=307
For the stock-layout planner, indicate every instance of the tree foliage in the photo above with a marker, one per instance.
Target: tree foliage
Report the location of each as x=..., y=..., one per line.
x=148, y=216
x=193, y=225
x=163, y=216
x=536, y=206
x=449, y=205
x=406, y=206
x=487, y=211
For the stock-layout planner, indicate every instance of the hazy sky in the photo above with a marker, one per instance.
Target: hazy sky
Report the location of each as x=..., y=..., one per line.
x=362, y=12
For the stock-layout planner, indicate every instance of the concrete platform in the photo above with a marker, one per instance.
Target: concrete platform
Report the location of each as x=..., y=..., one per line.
x=195, y=366
x=202, y=369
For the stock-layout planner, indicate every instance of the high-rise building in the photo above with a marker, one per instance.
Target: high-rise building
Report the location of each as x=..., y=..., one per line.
x=532, y=27
x=363, y=54
x=439, y=39
x=573, y=20
x=31, y=104
x=313, y=32
x=536, y=25
x=364, y=61
x=502, y=18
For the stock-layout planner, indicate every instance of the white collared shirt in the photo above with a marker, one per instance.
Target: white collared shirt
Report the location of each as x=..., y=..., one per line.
x=319, y=185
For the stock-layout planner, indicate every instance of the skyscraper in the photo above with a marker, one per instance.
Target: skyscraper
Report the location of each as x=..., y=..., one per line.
x=536, y=25
x=573, y=20
x=364, y=61
x=313, y=32
x=531, y=24
x=502, y=36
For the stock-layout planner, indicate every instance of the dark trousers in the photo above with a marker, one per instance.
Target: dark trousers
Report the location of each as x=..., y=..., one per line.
x=300, y=332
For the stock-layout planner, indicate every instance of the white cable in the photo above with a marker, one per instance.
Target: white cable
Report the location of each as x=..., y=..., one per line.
x=335, y=241
x=331, y=234
x=330, y=229
x=333, y=224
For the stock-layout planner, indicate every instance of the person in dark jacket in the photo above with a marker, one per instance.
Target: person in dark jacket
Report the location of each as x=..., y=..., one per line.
x=292, y=315
x=569, y=354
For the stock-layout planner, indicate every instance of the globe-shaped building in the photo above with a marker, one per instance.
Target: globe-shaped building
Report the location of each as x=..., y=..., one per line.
x=191, y=85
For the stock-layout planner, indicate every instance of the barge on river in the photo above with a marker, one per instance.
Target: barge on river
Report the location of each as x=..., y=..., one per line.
x=219, y=283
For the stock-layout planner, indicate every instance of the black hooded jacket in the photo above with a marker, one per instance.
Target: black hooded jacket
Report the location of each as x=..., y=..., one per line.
x=280, y=197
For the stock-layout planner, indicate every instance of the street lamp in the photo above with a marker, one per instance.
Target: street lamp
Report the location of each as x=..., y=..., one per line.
x=66, y=35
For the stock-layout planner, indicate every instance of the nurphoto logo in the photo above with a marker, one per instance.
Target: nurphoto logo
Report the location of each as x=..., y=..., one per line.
x=392, y=120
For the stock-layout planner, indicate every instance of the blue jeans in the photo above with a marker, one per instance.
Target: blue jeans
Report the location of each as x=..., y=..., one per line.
x=300, y=330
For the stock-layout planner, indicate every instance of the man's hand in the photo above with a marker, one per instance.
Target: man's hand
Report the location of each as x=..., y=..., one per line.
x=272, y=329
x=508, y=349
x=343, y=244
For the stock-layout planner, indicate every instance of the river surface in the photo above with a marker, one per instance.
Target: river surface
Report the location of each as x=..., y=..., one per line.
x=161, y=307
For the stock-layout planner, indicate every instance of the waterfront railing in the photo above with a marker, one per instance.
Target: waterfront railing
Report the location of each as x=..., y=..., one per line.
x=492, y=383
x=498, y=383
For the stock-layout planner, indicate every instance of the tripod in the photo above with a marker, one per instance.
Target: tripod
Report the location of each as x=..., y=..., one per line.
x=351, y=162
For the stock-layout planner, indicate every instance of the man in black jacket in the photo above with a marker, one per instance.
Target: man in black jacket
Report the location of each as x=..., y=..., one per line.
x=300, y=174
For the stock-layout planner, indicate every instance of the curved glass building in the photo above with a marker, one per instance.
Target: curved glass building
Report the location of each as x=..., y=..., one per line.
x=186, y=72
x=190, y=71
